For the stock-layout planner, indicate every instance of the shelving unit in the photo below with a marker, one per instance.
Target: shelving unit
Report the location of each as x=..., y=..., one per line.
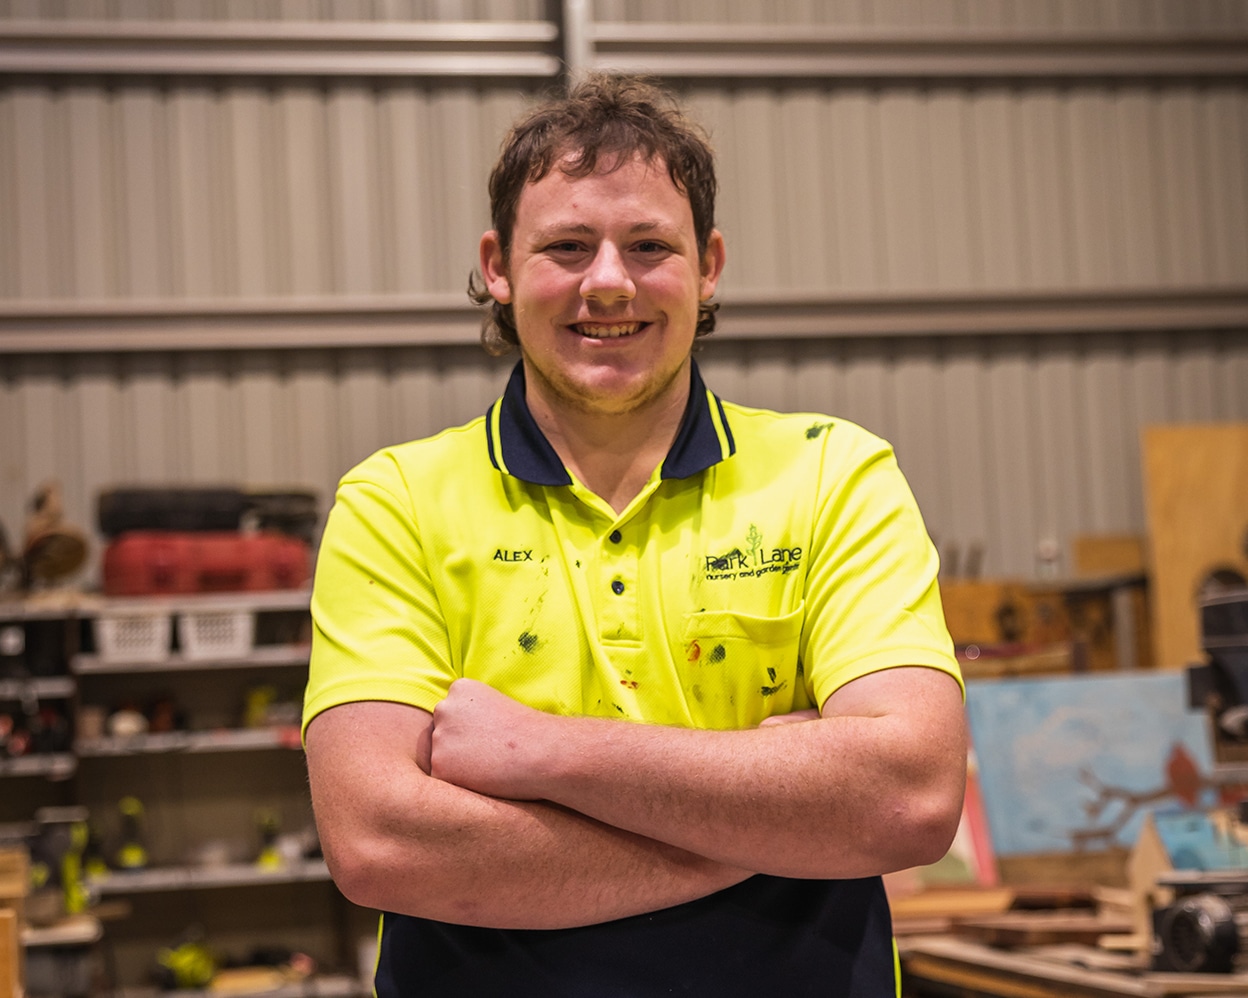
x=36, y=642
x=47, y=688
x=230, y=875
x=52, y=765
x=243, y=740
x=202, y=782
x=324, y=986
x=272, y=657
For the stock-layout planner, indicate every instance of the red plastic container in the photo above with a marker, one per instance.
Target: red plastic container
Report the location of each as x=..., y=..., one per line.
x=155, y=562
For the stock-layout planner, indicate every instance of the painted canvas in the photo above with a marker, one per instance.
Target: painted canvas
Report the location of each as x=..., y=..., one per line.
x=1073, y=763
x=1196, y=840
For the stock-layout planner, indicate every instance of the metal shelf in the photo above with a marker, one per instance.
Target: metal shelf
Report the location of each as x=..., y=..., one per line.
x=259, y=601
x=53, y=765
x=180, y=878
x=91, y=605
x=38, y=688
x=222, y=740
x=15, y=611
x=264, y=656
x=328, y=986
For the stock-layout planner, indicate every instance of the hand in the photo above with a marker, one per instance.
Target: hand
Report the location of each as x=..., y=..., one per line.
x=792, y=718
x=485, y=741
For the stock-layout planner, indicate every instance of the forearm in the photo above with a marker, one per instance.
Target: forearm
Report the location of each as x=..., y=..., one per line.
x=767, y=799
x=397, y=840
x=858, y=792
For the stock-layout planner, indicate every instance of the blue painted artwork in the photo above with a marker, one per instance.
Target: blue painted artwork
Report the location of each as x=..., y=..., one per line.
x=1197, y=841
x=1073, y=763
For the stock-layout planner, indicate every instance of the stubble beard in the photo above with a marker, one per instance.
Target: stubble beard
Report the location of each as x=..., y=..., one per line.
x=570, y=397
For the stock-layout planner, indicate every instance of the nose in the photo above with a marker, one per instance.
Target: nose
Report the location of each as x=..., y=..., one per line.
x=607, y=279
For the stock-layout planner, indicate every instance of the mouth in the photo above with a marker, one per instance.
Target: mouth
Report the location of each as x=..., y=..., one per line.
x=608, y=330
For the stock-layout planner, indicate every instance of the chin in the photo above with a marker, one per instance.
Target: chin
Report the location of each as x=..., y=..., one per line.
x=611, y=393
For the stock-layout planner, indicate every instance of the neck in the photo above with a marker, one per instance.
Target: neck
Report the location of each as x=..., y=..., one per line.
x=614, y=454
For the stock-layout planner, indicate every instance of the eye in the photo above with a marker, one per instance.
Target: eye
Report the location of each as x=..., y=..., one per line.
x=562, y=248
x=652, y=247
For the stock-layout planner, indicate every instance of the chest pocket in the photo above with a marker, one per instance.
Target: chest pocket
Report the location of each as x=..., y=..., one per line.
x=739, y=668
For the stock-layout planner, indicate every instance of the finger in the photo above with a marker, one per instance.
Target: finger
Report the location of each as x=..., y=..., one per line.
x=792, y=718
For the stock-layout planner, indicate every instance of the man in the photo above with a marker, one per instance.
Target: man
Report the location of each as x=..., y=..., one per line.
x=621, y=689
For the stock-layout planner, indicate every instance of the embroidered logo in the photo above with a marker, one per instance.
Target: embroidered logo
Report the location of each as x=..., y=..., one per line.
x=754, y=560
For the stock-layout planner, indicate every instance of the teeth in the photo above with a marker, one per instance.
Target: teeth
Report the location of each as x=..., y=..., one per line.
x=600, y=331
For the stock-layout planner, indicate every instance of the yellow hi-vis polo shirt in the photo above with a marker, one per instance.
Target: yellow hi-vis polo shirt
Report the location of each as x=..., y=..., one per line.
x=769, y=560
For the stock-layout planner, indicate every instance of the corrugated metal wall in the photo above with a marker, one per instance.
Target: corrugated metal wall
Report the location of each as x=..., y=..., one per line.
x=194, y=190
x=277, y=10
x=1066, y=14
x=182, y=191
x=982, y=186
x=1070, y=14
x=1008, y=441
x=177, y=189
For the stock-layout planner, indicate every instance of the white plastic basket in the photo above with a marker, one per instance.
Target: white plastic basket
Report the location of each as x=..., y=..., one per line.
x=133, y=637
x=208, y=634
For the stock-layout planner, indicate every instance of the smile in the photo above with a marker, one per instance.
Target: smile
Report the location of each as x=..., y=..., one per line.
x=607, y=331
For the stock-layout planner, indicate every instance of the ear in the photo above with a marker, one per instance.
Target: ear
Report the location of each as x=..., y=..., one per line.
x=494, y=269
x=712, y=265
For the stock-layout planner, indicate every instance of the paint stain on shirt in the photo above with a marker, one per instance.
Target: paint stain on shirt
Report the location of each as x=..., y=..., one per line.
x=767, y=691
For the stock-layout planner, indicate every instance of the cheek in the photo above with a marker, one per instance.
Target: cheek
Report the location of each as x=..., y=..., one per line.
x=679, y=295
x=678, y=283
x=543, y=286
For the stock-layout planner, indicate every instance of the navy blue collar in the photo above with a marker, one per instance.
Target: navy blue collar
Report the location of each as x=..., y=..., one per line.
x=518, y=447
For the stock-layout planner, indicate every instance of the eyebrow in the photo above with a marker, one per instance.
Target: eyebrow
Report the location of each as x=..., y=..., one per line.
x=581, y=229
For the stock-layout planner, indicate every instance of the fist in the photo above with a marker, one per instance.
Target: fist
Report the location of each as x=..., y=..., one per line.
x=485, y=741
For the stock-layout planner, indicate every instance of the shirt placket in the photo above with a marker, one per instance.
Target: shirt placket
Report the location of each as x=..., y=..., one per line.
x=619, y=619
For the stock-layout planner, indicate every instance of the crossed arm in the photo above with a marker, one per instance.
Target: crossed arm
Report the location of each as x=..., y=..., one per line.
x=487, y=812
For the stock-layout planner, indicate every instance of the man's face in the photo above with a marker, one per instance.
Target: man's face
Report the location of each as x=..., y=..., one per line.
x=604, y=279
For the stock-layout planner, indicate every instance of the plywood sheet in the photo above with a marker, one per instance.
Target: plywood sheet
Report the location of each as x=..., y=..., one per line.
x=10, y=956
x=1107, y=554
x=1038, y=928
x=1196, y=490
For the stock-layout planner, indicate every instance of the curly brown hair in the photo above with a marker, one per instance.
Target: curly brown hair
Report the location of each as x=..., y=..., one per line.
x=605, y=119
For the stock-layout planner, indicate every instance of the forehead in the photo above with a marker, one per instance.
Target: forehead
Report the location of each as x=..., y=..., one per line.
x=617, y=190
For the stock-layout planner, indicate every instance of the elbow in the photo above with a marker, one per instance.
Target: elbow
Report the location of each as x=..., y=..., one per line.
x=375, y=873
x=935, y=833
x=933, y=808
x=930, y=821
x=359, y=871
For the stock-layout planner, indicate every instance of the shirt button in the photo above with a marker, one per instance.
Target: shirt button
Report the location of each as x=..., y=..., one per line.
x=615, y=537
x=617, y=587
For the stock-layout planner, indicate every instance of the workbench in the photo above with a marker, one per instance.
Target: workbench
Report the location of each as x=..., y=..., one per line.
x=947, y=967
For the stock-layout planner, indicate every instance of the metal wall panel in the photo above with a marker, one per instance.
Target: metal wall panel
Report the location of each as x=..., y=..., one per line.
x=1159, y=15
x=146, y=190
x=1007, y=441
x=143, y=190
x=343, y=189
x=981, y=186
x=277, y=10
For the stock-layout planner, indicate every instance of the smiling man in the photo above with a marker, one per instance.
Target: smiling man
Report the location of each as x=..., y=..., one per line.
x=622, y=689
